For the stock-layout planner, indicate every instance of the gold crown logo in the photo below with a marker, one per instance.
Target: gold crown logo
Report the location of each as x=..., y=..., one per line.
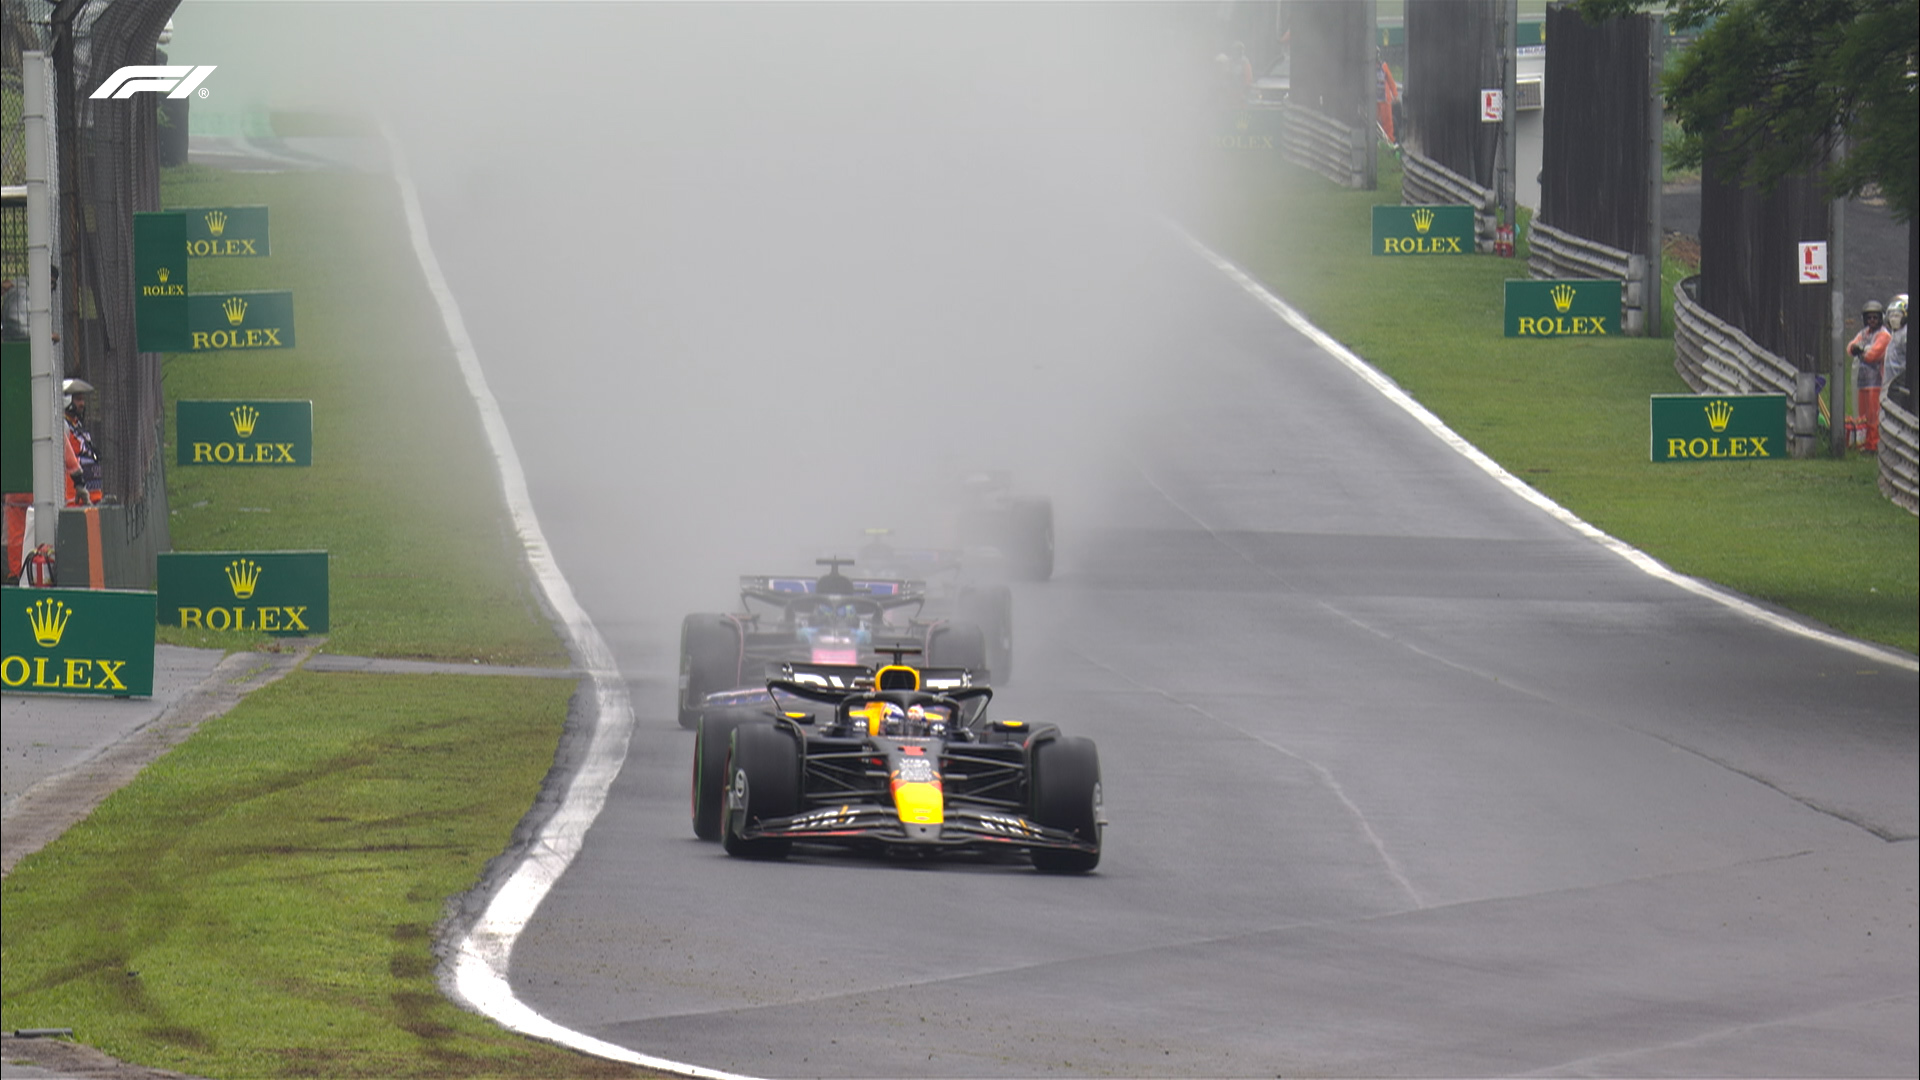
x=1240, y=122
x=1562, y=297
x=243, y=575
x=1718, y=413
x=164, y=275
x=49, y=618
x=1422, y=220
x=244, y=418
x=216, y=222
x=236, y=310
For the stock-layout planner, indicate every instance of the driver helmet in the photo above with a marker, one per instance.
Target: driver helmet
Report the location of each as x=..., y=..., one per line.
x=1871, y=307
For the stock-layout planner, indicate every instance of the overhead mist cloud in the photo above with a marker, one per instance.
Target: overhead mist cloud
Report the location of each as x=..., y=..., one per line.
x=753, y=271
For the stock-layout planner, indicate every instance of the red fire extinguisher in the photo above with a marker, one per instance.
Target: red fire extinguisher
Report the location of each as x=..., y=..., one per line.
x=1503, y=241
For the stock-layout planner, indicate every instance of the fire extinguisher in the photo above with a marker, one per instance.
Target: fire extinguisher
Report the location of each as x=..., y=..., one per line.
x=1503, y=241
x=38, y=573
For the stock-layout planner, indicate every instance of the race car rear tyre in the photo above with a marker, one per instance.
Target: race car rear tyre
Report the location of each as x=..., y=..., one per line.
x=991, y=609
x=763, y=768
x=710, y=741
x=709, y=661
x=960, y=645
x=1066, y=795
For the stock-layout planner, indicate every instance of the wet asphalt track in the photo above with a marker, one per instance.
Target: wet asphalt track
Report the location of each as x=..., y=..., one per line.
x=1405, y=778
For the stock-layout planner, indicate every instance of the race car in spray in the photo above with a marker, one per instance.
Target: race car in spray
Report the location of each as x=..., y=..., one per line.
x=894, y=759
x=990, y=519
x=832, y=619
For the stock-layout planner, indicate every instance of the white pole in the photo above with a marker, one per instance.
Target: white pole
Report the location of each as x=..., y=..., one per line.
x=48, y=494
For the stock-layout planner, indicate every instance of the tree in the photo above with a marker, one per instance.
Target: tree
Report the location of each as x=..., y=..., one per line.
x=1766, y=83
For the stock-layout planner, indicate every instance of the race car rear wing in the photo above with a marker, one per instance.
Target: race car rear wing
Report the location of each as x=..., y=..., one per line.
x=779, y=588
x=859, y=677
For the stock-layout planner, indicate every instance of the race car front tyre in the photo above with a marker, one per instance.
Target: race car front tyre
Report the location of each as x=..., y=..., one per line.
x=991, y=609
x=710, y=741
x=763, y=770
x=709, y=661
x=1066, y=795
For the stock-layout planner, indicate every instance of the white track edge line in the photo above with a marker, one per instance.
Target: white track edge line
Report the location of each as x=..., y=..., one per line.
x=478, y=976
x=1646, y=563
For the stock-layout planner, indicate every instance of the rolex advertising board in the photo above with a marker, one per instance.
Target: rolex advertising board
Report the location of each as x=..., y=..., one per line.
x=160, y=304
x=1423, y=230
x=270, y=592
x=243, y=433
x=241, y=320
x=1553, y=309
x=227, y=232
x=77, y=641
x=1717, y=427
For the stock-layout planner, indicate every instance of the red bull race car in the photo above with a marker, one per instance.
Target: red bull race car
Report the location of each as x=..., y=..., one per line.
x=895, y=759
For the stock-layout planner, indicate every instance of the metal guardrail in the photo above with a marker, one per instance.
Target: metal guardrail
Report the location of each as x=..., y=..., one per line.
x=1556, y=253
x=1429, y=183
x=1717, y=357
x=1327, y=146
x=1899, y=473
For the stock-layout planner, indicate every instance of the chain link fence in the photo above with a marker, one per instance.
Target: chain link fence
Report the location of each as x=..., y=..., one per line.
x=109, y=170
x=1453, y=52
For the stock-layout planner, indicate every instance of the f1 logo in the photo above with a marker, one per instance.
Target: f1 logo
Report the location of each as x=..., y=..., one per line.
x=128, y=81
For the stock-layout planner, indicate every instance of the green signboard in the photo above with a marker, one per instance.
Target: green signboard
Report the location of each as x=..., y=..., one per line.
x=16, y=416
x=243, y=433
x=77, y=641
x=271, y=592
x=241, y=320
x=1251, y=129
x=227, y=232
x=1423, y=230
x=160, y=281
x=1552, y=309
x=1717, y=427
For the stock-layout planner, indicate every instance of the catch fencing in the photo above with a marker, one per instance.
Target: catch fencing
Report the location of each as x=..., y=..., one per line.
x=109, y=170
x=1328, y=122
x=1600, y=159
x=1748, y=248
x=1453, y=52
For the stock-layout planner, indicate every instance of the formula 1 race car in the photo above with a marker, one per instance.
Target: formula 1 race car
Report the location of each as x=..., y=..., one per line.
x=1019, y=528
x=833, y=619
x=882, y=760
x=961, y=586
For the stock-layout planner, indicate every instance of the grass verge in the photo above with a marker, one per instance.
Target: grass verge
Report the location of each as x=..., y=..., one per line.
x=261, y=902
x=1570, y=416
x=402, y=492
